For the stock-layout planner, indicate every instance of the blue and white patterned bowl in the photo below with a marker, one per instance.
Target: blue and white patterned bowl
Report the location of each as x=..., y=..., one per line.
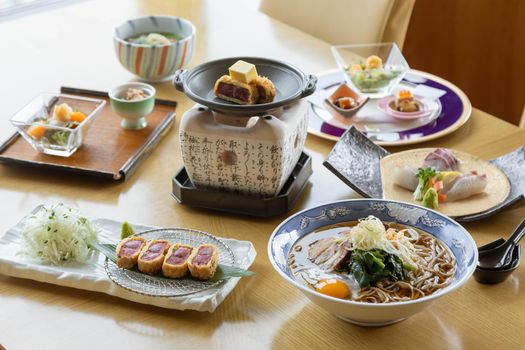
x=154, y=63
x=447, y=230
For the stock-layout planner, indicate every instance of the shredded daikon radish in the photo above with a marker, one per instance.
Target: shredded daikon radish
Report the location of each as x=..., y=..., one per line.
x=57, y=234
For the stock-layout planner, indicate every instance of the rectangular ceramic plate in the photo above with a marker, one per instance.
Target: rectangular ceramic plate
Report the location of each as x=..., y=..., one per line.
x=355, y=159
x=108, y=150
x=93, y=277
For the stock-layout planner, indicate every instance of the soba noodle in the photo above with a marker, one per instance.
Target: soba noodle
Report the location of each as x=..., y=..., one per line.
x=432, y=266
x=435, y=272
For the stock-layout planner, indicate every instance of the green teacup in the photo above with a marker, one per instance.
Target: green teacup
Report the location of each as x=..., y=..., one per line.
x=132, y=112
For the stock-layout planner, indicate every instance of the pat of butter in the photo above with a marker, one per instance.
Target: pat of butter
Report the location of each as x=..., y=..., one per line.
x=243, y=71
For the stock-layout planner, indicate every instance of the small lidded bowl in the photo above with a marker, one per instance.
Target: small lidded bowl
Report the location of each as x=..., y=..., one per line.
x=154, y=47
x=57, y=124
x=372, y=69
x=132, y=102
x=345, y=101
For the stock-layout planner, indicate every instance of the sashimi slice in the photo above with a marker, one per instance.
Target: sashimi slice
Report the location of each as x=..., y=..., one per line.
x=467, y=186
x=405, y=177
x=441, y=159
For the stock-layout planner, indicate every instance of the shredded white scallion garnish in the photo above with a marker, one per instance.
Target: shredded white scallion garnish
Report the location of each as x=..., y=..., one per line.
x=56, y=234
x=370, y=234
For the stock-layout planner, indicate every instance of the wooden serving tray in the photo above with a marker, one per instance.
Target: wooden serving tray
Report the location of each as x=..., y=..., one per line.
x=108, y=150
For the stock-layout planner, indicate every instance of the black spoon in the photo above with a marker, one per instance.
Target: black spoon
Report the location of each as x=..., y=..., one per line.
x=500, y=257
x=493, y=276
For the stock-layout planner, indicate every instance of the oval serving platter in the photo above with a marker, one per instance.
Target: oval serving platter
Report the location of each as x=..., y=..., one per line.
x=166, y=287
x=454, y=111
x=496, y=192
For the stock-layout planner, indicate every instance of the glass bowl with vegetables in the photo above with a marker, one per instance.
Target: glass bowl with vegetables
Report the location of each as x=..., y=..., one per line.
x=57, y=124
x=372, y=69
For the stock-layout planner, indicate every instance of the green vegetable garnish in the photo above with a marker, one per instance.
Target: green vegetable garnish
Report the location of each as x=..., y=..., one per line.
x=60, y=137
x=126, y=230
x=430, y=199
x=371, y=266
x=172, y=36
x=372, y=80
x=424, y=175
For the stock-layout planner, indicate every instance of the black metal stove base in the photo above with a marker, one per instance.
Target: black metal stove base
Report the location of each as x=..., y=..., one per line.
x=186, y=193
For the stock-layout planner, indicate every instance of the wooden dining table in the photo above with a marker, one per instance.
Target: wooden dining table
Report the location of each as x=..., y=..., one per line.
x=72, y=46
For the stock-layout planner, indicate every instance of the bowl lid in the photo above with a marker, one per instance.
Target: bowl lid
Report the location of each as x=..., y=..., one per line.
x=290, y=84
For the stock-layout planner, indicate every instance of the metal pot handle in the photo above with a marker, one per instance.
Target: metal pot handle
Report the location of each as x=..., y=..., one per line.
x=310, y=86
x=178, y=79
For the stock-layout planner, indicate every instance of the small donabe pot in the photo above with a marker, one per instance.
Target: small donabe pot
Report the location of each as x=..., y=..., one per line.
x=290, y=83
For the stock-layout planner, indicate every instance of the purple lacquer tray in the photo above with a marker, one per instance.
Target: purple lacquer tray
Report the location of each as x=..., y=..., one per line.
x=455, y=111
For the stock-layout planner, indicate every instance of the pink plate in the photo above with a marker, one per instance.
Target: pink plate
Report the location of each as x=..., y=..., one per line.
x=384, y=106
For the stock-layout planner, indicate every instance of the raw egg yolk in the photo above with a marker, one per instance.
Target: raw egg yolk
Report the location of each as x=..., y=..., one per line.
x=332, y=287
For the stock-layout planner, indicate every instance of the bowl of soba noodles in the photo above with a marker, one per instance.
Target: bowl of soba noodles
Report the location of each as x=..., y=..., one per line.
x=372, y=262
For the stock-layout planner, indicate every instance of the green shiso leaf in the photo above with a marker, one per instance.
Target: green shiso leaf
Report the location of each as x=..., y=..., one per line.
x=226, y=271
x=105, y=249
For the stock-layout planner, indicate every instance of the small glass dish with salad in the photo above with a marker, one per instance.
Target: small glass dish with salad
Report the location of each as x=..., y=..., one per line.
x=57, y=124
x=372, y=69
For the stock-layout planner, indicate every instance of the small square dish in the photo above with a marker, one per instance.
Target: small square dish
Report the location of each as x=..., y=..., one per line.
x=345, y=101
x=372, y=69
x=57, y=124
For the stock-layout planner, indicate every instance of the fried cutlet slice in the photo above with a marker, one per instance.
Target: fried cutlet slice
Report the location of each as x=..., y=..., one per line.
x=176, y=261
x=128, y=251
x=265, y=89
x=203, y=261
x=152, y=256
x=235, y=91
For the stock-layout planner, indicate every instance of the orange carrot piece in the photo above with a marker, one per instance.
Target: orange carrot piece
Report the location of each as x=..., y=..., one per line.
x=344, y=103
x=442, y=197
x=78, y=117
x=36, y=131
